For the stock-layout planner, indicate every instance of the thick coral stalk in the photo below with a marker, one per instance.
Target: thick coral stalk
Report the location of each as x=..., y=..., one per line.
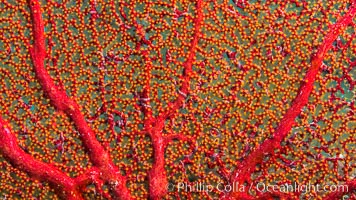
x=62, y=102
x=247, y=166
x=157, y=176
x=66, y=187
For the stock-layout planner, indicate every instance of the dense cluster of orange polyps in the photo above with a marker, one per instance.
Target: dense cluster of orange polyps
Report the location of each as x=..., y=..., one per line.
x=177, y=99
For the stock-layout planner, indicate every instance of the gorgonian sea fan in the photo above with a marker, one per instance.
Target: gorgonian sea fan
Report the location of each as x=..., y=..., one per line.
x=130, y=99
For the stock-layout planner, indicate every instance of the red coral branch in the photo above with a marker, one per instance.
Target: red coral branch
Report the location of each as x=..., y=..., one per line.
x=247, y=166
x=65, y=186
x=99, y=157
x=104, y=171
x=157, y=175
x=351, y=186
x=188, y=64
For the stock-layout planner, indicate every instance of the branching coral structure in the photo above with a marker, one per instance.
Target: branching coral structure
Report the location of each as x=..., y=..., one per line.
x=203, y=99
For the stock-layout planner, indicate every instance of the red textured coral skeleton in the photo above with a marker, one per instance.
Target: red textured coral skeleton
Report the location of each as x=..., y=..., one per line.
x=103, y=170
